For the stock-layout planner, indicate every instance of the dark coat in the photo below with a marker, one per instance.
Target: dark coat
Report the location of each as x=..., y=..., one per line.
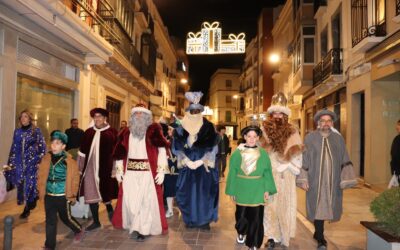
x=395, y=153
x=223, y=141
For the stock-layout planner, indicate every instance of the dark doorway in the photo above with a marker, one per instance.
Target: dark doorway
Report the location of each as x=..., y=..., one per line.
x=114, y=107
x=362, y=133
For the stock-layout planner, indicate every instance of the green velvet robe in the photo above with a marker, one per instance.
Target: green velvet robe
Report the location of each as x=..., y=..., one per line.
x=249, y=189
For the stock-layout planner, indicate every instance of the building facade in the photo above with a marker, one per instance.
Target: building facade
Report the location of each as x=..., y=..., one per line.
x=66, y=57
x=223, y=99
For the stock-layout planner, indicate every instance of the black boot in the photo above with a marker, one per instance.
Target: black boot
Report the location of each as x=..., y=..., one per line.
x=110, y=211
x=25, y=214
x=94, y=208
x=270, y=244
x=140, y=237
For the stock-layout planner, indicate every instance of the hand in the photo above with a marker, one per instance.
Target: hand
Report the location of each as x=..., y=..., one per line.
x=190, y=165
x=305, y=186
x=266, y=196
x=198, y=163
x=233, y=198
x=159, y=178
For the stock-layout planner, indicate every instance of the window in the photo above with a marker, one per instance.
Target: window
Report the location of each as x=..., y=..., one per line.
x=228, y=99
x=228, y=84
x=38, y=96
x=336, y=30
x=114, y=108
x=324, y=42
x=308, y=50
x=228, y=116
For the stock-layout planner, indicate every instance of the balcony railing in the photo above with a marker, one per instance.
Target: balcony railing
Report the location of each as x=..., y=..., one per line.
x=361, y=26
x=330, y=65
x=397, y=7
x=317, y=4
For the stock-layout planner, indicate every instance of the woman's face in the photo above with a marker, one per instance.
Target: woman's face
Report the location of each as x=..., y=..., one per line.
x=170, y=131
x=251, y=138
x=24, y=119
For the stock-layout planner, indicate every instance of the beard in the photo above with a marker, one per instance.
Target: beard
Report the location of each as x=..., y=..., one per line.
x=138, y=125
x=278, y=131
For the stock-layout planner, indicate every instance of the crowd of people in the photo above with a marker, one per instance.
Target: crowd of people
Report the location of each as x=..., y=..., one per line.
x=145, y=166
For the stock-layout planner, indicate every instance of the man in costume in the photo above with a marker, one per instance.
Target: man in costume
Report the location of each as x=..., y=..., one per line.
x=141, y=163
x=284, y=147
x=96, y=164
x=324, y=159
x=195, y=144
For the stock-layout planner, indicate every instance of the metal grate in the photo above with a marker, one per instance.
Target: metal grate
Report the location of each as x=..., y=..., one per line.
x=37, y=58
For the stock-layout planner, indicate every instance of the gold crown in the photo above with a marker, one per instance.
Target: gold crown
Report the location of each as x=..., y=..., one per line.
x=279, y=99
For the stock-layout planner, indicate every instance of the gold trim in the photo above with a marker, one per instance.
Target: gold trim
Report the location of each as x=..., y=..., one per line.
x=248, y=177
x=70, y=217
x=138, y=165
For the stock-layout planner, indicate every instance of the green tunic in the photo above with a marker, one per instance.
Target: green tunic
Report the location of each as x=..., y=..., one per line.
x=250, y=176
x=57, y=176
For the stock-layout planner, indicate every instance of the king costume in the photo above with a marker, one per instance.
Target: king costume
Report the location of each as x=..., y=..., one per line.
x=284, y=146
x=141, y=163
x=195, y=145
x=96, y=164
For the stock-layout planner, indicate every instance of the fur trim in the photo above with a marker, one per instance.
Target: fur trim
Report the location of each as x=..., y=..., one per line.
x=154, y=133
x=292, y=151
x=140, y=109
x=280, y=109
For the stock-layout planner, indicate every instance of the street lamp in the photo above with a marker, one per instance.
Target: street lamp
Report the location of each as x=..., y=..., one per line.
x=274, y=58
x=235, y=97
x=184, y=80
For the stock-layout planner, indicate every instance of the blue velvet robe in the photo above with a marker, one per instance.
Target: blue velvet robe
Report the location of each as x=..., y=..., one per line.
x=27, y=149
x=197, y=190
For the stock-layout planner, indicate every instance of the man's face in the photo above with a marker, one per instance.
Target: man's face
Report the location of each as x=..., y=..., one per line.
x=123, y=124
x=99, y=120
x=138, y=114
x=222, y=131
x=277, y=115
x=325, y=122
x=398, y=127
x=57, y=146
x=74, y=124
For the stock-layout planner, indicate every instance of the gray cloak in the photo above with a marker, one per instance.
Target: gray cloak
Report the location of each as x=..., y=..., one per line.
x=311, y=173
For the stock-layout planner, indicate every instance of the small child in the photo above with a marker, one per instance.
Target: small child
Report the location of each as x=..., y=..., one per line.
x=250, y=183
x=170, y=178
x=58, y=183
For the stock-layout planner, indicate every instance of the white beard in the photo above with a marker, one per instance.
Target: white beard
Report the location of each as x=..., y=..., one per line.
x=192, y=123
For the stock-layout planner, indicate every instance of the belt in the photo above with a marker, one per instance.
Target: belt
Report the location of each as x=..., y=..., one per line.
x=138, y=165
x=248, y=177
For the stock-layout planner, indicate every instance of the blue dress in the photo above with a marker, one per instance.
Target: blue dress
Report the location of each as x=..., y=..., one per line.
x=171, y=177
x=27, y=149
x=197, y=190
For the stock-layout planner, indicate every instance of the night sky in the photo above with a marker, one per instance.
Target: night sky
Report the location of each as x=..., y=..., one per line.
x=235, y=16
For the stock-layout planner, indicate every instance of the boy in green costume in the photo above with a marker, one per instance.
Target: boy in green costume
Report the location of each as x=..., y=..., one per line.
x=250, y=183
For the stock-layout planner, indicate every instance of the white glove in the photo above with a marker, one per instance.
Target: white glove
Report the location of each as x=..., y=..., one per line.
x=159, y=178
x=119, y=170
x=198, y=163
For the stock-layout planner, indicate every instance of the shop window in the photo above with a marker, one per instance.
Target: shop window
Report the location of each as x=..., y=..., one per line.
x=51, y=106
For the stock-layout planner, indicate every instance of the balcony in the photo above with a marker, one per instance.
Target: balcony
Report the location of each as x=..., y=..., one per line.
x=366, y=30
x=330, y=69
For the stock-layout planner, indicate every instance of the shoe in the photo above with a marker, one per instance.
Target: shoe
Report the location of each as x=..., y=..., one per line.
x=169, y=214
x=205, y=227
x=140, y=237
x=322, y=244
x=94, y=226
x=25, y=214
x=270, y=244
x=110, y=215
x=78, y=237
x=134, y=235
x=240, y=239
x=252, y=248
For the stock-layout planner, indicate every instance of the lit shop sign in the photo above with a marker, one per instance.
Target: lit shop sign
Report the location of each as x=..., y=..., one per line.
x=207, y=111
x=209, y=41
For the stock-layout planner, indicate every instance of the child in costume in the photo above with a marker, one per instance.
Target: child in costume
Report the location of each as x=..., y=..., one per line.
x=58, y=183
x=250, y=183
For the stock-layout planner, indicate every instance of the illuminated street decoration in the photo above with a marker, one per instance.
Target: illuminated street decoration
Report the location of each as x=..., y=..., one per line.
x=209, y=41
